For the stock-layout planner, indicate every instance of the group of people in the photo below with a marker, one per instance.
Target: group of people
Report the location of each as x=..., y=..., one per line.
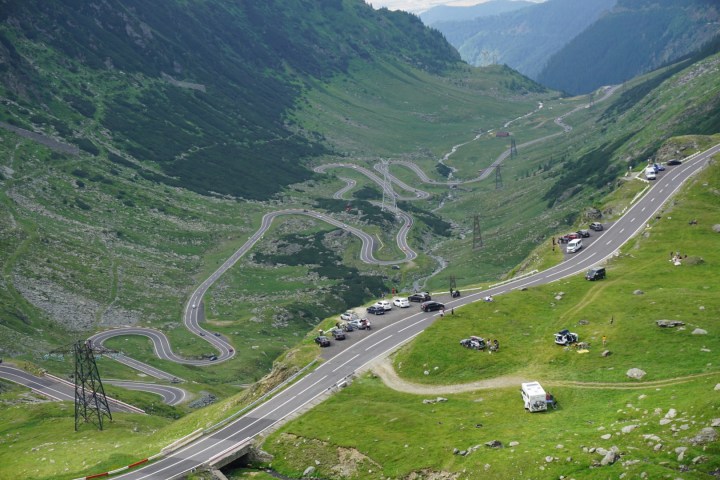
x=676, y=258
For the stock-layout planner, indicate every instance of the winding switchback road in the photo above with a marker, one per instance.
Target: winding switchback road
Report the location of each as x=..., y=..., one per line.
x=215, y=448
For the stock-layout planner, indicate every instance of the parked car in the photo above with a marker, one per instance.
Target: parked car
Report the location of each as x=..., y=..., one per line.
x=597, y=226
x=658, y=167
x=650, y=173
x=431, y=306
x=362, y=324
x=565, y=337
x=401, y=302
x=595, y=273
x=338, y=334
x=568, y=237
x=584, y=233
x=349, y=315
x=375, y=310
x=419, y=297
x=674, y=161
x=574, y=245
x=534, y=397
x=322, y=340
x=386, y=304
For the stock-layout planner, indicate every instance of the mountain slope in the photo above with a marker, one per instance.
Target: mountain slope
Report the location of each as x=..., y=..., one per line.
x=202, y=90
x=448, y=13
x=526, y=38
x=636, y=37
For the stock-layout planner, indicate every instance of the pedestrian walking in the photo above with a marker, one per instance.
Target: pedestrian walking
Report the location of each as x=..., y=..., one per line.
x=604, y=340
x=442, y=312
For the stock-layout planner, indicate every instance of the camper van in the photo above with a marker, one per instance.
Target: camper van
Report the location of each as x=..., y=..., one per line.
x=534, y=397
x=574, y=245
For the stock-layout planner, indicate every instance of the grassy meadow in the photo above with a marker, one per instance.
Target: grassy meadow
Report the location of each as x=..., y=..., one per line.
x=387, y=433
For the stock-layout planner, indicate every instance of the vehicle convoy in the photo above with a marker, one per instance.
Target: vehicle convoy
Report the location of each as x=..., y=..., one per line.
x=534, y=397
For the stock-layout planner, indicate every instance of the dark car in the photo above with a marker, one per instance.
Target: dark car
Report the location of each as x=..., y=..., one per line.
x=338, y=334
x=597, y=226
x=419, y=297
x=674, y=161
x=376, y=310
x=584, y=233
x=431, y=306
x=322, y=340
x=595, y=273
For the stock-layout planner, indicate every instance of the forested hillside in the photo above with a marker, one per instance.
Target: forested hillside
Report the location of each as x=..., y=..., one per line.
x=523, y=39
x=193, y=94
x=636, y=37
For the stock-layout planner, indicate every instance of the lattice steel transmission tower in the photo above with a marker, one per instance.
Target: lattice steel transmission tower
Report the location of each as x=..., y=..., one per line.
x=477, y=235
x=91, y=405
x=498, y=178
x=513, y=148
x=389, y=198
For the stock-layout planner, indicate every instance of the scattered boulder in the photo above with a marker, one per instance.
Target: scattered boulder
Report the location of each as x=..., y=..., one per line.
x=717, y=387
x=699, y=331
x=669, y=323
x=548, y=459
x=628, y=428
x=635, y=373
x=606, y=353
x=308, y=471
x=715, y=422
x=584, y=322
x=494, y=444
x=513, y=444
x=716, y=228
x=706, y=435
x=610, y=457
x=607, y=436
x=638, y=292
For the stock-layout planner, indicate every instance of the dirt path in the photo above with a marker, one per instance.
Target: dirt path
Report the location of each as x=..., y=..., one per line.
x=384, y=369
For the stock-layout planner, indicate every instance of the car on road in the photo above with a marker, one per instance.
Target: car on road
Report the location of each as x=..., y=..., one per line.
x=213, y=358
x=401, y=302
x=674, y=161
x=596, y=226
x=419, y=297
x=386, y=304
x=194, y=306
x=322, y=340
x=375, y=310
x=431, y=306
x=574, y=245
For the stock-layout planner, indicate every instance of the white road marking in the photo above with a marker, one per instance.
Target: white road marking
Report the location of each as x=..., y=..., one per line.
x=345, y=363
x=377, y=343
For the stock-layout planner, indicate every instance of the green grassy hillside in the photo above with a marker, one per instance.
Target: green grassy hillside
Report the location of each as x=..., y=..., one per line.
x=407, y=437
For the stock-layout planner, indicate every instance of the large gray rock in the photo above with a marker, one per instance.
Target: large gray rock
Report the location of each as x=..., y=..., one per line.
x=699, y=331
x=669, y=323
x=706, y=435
x=716, y=228
x=610, y=457
x=635, y=373
x=638, y=292
x=308, y=471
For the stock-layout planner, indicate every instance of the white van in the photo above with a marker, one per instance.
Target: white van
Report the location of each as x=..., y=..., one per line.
x=534, y=397
x=574, y=245
x=650, y=173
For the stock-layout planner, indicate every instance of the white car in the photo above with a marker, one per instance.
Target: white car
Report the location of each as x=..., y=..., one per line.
x=401, y=302
x=349, y=315
x=384, y=304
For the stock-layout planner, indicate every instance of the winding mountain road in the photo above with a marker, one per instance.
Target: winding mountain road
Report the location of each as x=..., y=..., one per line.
x=215, y=448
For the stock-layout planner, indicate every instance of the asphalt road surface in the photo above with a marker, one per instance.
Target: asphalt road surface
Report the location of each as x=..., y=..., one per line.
x=210, y=449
